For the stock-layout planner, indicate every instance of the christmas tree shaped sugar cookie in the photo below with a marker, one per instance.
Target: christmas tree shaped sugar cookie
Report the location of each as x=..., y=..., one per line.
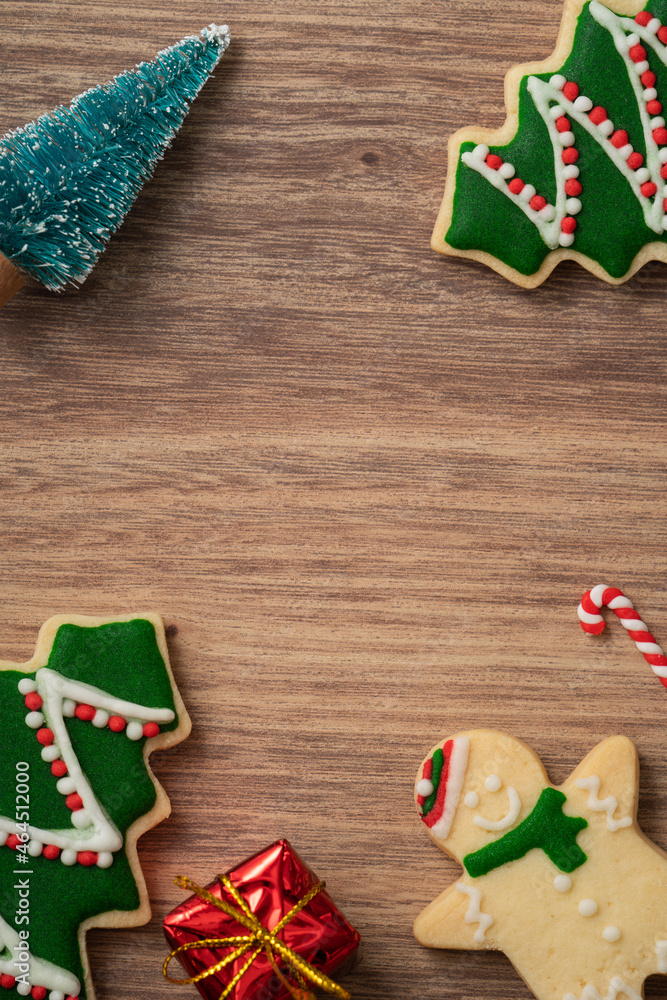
x=78, y=722
x=560, y=879
x=579, y=170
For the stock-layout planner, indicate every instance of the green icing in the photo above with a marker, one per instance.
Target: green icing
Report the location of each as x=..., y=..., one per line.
x=124, y=660
x=547, y=828
x=610, y=227
x=438, y=762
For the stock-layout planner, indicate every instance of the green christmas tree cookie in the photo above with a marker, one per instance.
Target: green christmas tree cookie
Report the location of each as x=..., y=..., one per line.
x=579, y=169
x=77, y=725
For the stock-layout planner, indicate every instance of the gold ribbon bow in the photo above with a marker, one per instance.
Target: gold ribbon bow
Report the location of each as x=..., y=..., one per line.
x=260, y=939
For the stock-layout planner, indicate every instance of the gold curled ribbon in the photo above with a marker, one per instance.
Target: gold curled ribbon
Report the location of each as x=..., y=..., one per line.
x=260, y=939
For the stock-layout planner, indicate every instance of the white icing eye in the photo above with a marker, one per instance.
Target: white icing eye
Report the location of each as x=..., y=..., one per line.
x=425, y=787
x=472, y=800
x=27, y=686
x=588, y=907
x=493, y=783
x=611, y=934
x=562, y=883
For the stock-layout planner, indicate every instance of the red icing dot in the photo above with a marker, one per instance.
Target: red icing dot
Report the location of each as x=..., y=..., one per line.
x=117, y=723
x=570, y=90
x=597, y=115
x=648, y=79
x=619, y=138
x=563, y=124
x=570, y=155
x=74, y=801
x=516, y=186
x=493, y=161
x=33, y=701
x=568, y=225
x=664, y=205
x=662, y=35
x=51, y=852
x=663, y=172
x=635, y=160
x=7, y=981
x=152, y=728
x=637, y=53
x=38, y=992
x=45, y=737
x=87, y=858
x=59, y=769
x=654, y=107
x=648, y=189
x=643, y=17
x=13, y=841
x=572, y=188
x=84, y=712
x=660, y=136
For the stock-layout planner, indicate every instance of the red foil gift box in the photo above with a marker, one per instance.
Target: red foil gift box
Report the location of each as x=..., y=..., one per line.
x=270, y=883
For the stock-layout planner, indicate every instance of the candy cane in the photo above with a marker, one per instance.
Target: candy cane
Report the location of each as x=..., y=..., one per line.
x=594, y=623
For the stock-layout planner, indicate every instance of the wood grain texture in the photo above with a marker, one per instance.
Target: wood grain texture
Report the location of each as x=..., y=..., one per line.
x=364, y=485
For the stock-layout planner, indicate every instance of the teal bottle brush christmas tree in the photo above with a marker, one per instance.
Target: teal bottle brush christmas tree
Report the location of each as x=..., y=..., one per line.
x=68, y=179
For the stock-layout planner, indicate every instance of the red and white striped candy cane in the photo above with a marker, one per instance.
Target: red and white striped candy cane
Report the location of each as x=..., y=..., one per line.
x=593, y=623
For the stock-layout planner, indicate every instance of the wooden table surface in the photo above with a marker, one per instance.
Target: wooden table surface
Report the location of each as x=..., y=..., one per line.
x=364, y=485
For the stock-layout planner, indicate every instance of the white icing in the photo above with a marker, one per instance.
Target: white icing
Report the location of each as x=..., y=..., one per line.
x=100, y=834
x=100, y=718
x=566, y=239
x=66, y=785
x=616, y=986
x=42, y=973
x=34, y=720
x=571, y=171
x=508, y=819
x=104, y=859
x=583, y=103
x=81, y=819
x=608, y=805
x=493, y=783
x=474, y=915
x=606, y=127
x=35, y=848
x=661, y=952
x=472, y=800
x=69, y=707
x=134, y=730
x=506, y=170
x=650, y=94
x=573, y=206
x=611, y=934
x=588, y=907
x=425, y=787
x=562, y=883
x=642, y=175
x=558, y=81
x=56, y=995
x=458, y=761
x=27, y=685
x=49, y=754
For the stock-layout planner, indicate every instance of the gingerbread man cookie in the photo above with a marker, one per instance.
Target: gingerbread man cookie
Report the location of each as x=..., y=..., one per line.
x=579, y=169
x=77, y=725
x=560, y=879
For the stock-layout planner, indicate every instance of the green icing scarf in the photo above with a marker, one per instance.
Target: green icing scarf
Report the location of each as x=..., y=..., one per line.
x=546, y=827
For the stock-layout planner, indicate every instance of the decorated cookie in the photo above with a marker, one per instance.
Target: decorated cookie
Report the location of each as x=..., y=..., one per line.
x=579, y=169
x=78, y=722
x=560, y=879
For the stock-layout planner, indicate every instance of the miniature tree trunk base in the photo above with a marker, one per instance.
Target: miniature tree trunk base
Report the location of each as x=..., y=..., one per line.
x=11, y=280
